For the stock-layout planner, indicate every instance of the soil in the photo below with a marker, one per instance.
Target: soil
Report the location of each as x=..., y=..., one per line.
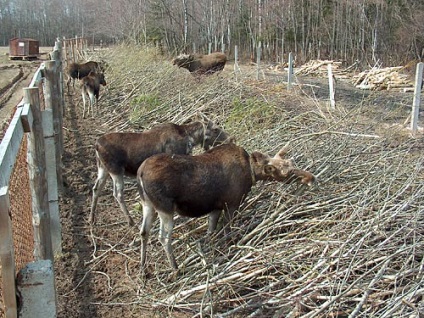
x=14, y=76
x=88, y=283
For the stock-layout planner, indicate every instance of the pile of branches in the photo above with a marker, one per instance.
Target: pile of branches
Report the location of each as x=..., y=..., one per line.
x=319, y=68
x=383, y=79
x=351, y=245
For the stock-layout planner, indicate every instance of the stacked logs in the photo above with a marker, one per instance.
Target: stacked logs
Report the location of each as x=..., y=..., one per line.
x=383, y=79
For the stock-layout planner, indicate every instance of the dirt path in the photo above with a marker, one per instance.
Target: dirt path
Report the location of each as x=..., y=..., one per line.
x=14, y=76
x=79, y=284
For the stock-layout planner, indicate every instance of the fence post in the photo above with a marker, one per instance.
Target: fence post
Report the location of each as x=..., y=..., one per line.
x=7, y=256
x=57, y=57
x=258, y=60
x=38, y=179
x=53, y=162
x=290, y=72
x=53, y=102
x=236, y=65
x=417, y=97
x=331, y=86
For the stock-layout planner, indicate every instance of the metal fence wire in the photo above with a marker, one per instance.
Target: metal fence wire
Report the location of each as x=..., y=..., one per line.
x=21, y=215
x=21, y=210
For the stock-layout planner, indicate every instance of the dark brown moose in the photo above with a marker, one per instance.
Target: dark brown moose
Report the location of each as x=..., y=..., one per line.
x=120, y=154
x=81, y=70
x=199, y=64
x=90, y=85
x=215, y=181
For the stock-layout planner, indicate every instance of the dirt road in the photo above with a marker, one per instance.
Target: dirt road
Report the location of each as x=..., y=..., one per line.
x=14, y=76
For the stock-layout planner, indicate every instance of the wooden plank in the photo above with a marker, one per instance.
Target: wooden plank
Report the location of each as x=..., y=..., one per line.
x=53, y=102
x=7, y=256
x=38, y=76
x=53, y=197
x=26, y=117
x=9, y=147
x=38, y=179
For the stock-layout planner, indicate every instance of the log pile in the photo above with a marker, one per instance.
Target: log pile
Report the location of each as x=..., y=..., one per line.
x=383, y=79
x=320, y=68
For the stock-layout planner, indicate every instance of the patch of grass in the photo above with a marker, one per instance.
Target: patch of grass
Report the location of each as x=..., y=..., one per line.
x=251, y=109
x=142, y=105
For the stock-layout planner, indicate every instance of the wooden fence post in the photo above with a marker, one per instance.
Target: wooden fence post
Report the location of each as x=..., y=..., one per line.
x=53, y=101
x=7, y=256
x=417, y=97
x=52, y=128
x=38, y=179
x=57, y=57
x=290, y=72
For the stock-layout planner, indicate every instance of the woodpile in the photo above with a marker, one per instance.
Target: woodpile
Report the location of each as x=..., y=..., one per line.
x=383, y=79
x=320, y=68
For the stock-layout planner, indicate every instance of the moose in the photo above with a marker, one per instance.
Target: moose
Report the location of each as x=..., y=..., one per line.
x=81, y=70
x=215, y=181
x=122, y=153
x=90, y=85
x=199, y=64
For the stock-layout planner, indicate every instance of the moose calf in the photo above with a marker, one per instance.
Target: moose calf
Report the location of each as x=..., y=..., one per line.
x=81, y=70
x=90, y=85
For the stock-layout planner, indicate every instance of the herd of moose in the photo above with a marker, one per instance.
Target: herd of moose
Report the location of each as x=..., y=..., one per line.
x=169, y=178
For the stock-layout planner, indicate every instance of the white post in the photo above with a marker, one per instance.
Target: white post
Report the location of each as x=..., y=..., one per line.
x=331, y=86
x=417, y=97
x=258, y=60
x=290, y=72
x=210, y=48
x=236, y=65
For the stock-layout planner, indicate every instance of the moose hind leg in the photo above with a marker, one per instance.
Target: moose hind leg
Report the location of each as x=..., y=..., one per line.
x=83, y=93
x=149, y=216
x=165, y=236
x=97, y=188
x=92, y=101
x=118, y=193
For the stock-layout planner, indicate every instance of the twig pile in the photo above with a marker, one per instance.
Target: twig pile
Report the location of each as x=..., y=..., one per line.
x=350, y=246
x=382, y=79
x=320, y=68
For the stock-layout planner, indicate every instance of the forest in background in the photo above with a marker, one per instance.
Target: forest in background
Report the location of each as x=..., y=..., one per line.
x=372, y=32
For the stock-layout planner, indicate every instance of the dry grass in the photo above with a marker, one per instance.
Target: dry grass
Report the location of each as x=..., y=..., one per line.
x=352, y=245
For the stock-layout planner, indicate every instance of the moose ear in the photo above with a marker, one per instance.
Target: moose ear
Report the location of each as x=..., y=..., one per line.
x=258, y=157
x=281, y=154
x=283, y=151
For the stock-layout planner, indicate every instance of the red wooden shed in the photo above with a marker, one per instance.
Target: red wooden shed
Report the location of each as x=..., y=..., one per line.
x=23, y=48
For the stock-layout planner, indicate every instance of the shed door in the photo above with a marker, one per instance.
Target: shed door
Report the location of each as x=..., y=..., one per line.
x=21, y=48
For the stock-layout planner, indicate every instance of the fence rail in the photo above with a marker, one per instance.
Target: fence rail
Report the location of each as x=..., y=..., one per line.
x=30, y=179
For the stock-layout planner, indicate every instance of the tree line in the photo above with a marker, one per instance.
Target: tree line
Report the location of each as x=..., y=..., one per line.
x=367, y=31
